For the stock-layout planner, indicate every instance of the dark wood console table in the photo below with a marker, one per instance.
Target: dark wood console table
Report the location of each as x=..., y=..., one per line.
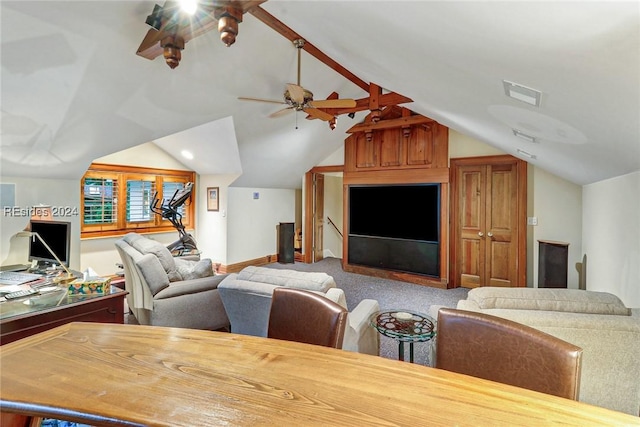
x=26, y=317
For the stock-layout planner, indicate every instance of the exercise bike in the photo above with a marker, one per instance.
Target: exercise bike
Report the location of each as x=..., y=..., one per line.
x=186, y=244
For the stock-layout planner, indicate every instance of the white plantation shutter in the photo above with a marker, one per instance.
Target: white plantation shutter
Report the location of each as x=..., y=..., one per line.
x=139, y=199
x=100, y=196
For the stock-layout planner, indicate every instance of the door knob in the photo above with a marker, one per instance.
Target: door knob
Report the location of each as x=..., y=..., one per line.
x=480, y=233
x=490, y=234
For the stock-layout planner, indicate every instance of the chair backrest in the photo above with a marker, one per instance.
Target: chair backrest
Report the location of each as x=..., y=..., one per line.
x=508, y=352
x=304, y=316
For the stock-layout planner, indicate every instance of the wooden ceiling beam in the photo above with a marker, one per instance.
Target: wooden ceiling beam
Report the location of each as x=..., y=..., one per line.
x=393, y=123
x=150, y=47
x=291, y=35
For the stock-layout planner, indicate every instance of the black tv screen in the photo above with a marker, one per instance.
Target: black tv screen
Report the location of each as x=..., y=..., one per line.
x=409, y=211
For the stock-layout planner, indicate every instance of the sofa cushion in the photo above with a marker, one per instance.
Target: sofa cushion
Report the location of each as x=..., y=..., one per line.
x=148, y=246
x=564, y=300
x=293, y=279
x=153, y=273
x=189, y=269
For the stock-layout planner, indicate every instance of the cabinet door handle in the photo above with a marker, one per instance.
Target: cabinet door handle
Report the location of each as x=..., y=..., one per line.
x=490, y=234
x=480, y=233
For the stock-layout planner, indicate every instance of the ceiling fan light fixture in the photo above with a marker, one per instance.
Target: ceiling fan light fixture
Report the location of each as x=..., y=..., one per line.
x=522, y=93
x=189, y=6
x=172, y=46
x=228, y=19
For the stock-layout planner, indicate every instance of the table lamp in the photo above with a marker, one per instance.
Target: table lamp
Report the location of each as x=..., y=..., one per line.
x=70, y=275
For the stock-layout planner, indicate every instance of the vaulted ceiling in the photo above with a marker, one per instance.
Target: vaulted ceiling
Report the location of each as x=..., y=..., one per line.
x=74, y=90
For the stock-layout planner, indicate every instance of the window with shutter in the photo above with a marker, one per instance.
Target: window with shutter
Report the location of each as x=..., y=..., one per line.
x=103, y=186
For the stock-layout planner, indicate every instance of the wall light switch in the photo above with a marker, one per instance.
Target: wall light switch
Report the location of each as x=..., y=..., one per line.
x=532, y=220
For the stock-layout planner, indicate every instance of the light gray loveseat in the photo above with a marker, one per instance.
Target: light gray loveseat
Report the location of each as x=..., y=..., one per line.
x=598, y=322
x=168, y=291
x=247, y=299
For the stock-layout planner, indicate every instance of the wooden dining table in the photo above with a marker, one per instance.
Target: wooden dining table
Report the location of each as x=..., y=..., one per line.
x=109, y=374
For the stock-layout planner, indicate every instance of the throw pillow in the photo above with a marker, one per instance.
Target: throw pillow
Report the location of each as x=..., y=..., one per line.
x=153, y=273
x=194, y=269
x=148, y=246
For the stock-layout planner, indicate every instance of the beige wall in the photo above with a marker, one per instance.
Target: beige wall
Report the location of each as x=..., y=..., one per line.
x=332, y=241
x=144, y=155
x=557, y=205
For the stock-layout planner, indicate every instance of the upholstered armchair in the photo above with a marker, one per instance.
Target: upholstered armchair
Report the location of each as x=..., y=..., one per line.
x=247, y=300
x=168, y=291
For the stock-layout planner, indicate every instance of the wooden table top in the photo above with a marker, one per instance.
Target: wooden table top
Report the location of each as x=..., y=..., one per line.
x=101, y=373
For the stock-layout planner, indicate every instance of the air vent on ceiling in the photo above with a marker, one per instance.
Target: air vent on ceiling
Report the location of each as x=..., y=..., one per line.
x=522, y=93
x=524, y=136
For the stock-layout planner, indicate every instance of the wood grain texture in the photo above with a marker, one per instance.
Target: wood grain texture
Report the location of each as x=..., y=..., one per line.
x=101, y=373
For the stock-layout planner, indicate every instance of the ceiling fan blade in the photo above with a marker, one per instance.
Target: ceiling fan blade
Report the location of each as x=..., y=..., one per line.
x=318, y=114
x=281, y=112
x=333, y=103
x=244, y=98
x=296, y=93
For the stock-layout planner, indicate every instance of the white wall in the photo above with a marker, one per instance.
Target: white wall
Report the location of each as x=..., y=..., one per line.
x=611, y=236
x=31, y=192
x=252, y=223
x=331, y=239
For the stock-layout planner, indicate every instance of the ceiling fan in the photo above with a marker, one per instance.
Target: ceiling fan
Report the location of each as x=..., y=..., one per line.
x=297, y=98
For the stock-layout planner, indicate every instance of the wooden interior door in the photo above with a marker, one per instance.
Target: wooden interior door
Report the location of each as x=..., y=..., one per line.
x=488, y=221
x=318, y=217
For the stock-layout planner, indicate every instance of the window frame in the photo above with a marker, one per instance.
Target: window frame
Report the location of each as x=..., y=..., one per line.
x=122, y=174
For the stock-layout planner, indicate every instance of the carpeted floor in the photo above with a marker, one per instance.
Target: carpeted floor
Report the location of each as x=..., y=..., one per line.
x=390, y=294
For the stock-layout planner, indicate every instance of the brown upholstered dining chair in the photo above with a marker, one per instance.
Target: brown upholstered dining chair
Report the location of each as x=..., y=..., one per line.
x=307, y=317
x=508, y=352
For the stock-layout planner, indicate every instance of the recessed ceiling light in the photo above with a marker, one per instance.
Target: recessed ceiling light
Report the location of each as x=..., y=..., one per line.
x=526, y=154
x=522, y=93
x=523, y=135
x=187, y=154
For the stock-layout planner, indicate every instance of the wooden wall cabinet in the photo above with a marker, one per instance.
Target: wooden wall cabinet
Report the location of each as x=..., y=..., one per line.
x=393, y=152
x=417, y=146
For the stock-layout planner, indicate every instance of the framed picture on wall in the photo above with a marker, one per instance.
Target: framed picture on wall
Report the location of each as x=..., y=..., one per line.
x=213, y=199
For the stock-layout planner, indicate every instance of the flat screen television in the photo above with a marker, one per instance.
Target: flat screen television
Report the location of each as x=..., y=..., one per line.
x=395, y=227
x=410, y=211
x=57, y=234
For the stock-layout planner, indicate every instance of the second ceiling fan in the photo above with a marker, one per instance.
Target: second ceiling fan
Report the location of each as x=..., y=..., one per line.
x=297, y=98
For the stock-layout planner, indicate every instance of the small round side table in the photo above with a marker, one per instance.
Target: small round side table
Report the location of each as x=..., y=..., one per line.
x=404, y=326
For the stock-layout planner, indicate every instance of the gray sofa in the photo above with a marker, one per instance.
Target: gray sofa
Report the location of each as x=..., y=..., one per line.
x=168, y=291
x=598, y=322
x=247, y=299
